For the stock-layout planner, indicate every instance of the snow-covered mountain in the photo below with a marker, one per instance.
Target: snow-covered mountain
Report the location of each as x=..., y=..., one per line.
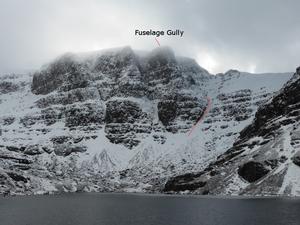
x=117, y=120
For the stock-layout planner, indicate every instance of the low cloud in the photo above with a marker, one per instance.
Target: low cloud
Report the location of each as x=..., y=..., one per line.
x=254, y=36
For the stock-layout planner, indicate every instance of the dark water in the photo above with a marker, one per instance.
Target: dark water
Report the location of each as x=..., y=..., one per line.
x=120, y=209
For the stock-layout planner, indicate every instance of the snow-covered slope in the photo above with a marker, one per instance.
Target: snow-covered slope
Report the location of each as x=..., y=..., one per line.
x=115, y=120
x=264, y=160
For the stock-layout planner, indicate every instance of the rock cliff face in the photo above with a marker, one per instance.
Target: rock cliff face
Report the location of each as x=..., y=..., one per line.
x=263, y=160
x=116, y=120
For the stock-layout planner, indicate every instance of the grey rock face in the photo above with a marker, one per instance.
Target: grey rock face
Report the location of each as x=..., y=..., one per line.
x=69, y=97
x=84, y=115
x=242, y=97
x=123, y=112
x=122, y=74
x=167, y=111
x=64, y=73
x=123, y=122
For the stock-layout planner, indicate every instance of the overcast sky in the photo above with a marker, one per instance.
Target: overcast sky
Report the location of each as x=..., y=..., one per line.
x=249, y=35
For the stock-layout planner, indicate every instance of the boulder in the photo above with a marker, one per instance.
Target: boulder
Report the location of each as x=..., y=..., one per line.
x=296, y=159
x=252, y=171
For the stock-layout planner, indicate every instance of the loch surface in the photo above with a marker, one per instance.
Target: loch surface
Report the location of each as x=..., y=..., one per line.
x=135, y=209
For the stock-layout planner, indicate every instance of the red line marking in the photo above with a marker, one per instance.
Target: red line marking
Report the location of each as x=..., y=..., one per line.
x=202, y=117
x=157, y=42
